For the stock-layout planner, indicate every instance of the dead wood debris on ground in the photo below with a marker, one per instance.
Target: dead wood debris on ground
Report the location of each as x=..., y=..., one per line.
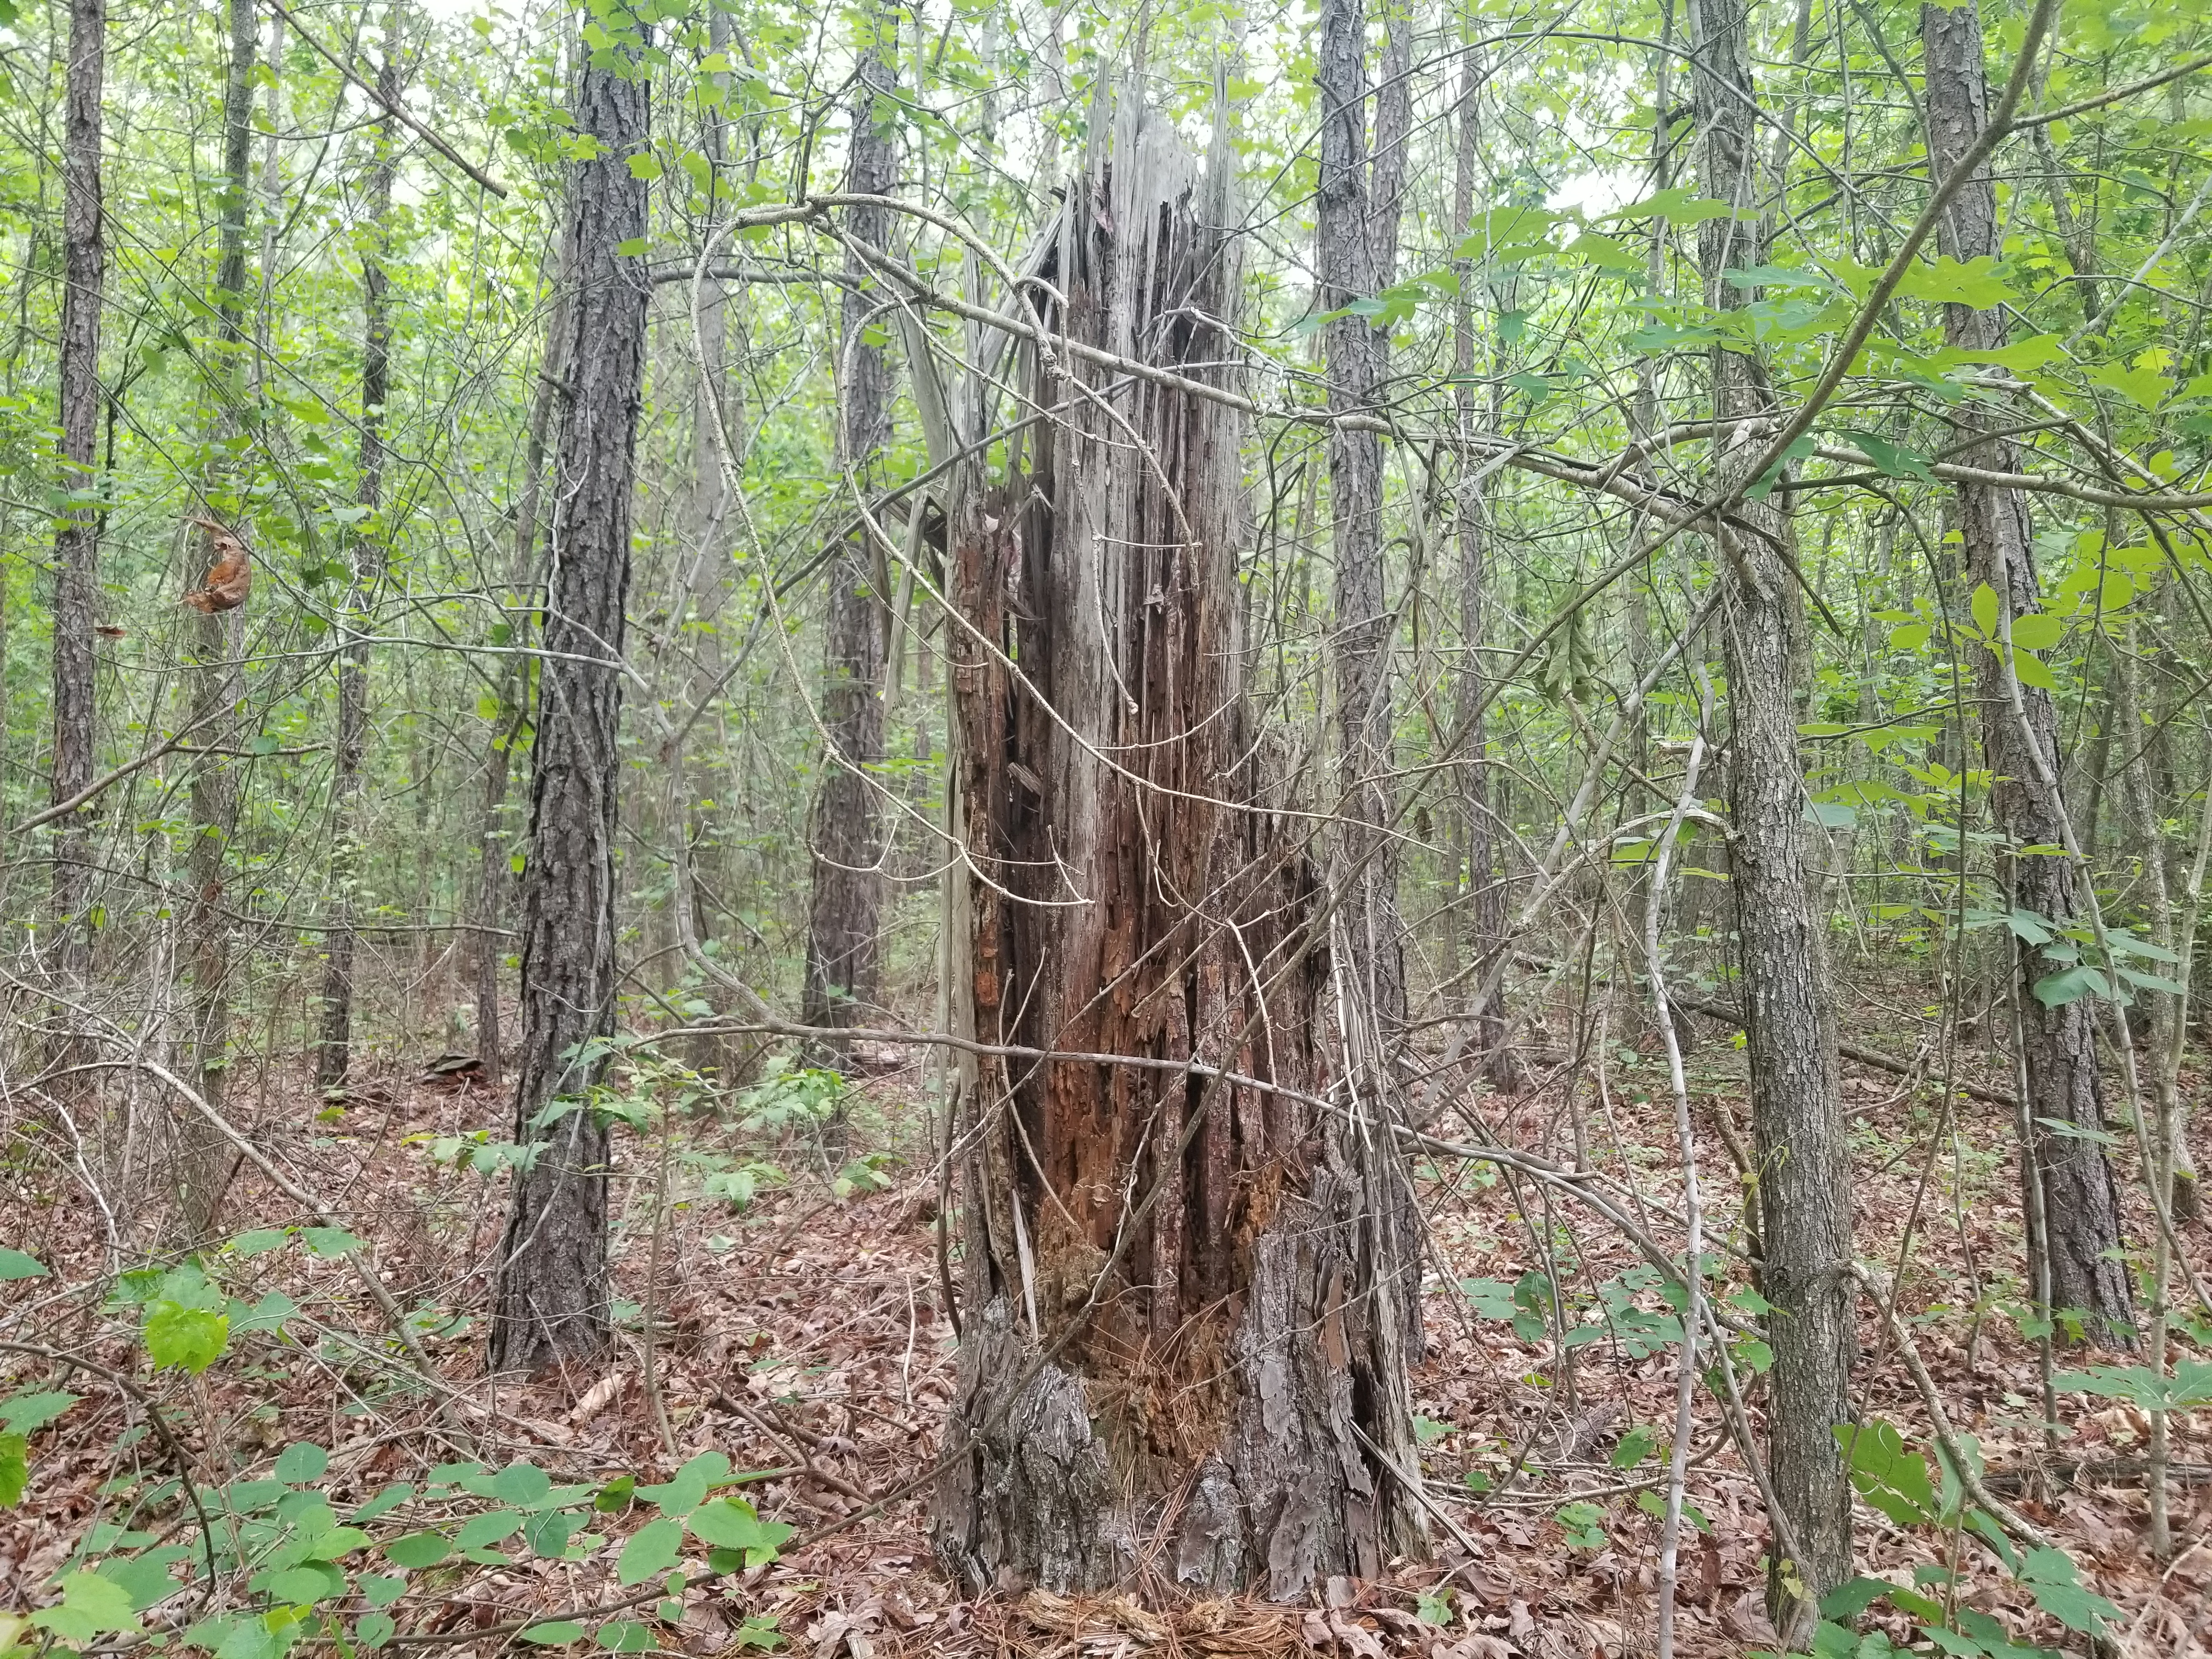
x=806, y=1339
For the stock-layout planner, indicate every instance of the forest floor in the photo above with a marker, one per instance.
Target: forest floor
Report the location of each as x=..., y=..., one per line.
x=805, y=1335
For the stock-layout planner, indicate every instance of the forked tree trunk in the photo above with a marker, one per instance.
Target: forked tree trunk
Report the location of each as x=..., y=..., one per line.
x=2081, y=1201
x=335, y=1054
x=845, y=835
x=76, y=534
x=551, y=1303
x=1804, y=1158
x=1182, y=1311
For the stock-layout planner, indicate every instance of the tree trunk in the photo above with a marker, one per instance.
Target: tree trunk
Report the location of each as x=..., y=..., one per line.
x=2080, y=1196
x=846, y=835
x=216, y=648
x=551, y=1303
x=335, y=1054
x=1181, y=1291
x=1804, y=1160
x=1485, y=903
x=1350, y=254
x=76, y=534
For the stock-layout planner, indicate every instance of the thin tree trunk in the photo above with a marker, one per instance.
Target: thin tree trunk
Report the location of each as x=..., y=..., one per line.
x=76, y=535
x=846, y=835
x=216, y=647
x=1804, y=1159
x=2079, y=1197
x=335, y=1054
x=1486, y=905
x=551, y=1303
x=1182, y=1319
x=1349, y=248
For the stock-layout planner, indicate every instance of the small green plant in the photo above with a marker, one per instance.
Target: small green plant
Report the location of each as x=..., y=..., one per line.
x=789, y=1093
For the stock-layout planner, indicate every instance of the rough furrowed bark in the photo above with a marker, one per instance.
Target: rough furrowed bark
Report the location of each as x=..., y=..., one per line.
x=846, y=834
x=2081, y=1200
x=334, y=1055
x=1804, y=1156
x=1196, y=1267
x=76, y=534
x=551, y=1303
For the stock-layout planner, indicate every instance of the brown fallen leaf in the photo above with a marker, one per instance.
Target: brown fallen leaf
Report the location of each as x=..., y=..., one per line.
x=229, y=579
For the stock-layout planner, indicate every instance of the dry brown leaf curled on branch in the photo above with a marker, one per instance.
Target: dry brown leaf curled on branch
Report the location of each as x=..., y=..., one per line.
x=229, y=578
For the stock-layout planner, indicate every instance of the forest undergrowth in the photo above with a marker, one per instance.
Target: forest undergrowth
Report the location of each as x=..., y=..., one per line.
x=783, y=1339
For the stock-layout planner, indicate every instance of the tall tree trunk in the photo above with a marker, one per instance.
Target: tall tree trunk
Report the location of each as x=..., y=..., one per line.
x=1182, y=1295
x=551, y=1303
x=1475, y=413
x=76, y=536
x=1804, y=1159
x=336, y=1052
x=2081, y=1200
x=216, y=647
x=1350, y=255
x=846, y=835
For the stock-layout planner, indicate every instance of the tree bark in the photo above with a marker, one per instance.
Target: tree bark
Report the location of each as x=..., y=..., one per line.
x=2081, y=1199
x=1485, y=903
x=551, y=1303
x=1350, y=260
x=1804, y=1160
x=216, y=647
x=76, y=535
x=846, y=834
x=1183, y=1294
x=335, y=1054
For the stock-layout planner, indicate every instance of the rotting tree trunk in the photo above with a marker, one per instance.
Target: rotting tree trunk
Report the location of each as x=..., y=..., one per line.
x=334, y=1055
x=846, y=835
x=1804, y=1156
x=1350, y=262
x=216, y=647
x=1183, y=1310
x=76, y=534
x=2079, y=1197
x=551, y=1303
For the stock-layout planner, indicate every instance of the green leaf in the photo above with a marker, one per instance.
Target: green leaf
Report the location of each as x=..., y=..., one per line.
x=653, y=1548
x=1975, y=284
x=624, y=1636
x=303, y=1585
x=1909, y=636
x=145, y=1578
x=26, y=1414
x=558, y=1634
x=15, y=1469
x=1490, y=1298
x=379, y=1589
x=13, y=1264
x=259, y=1241
x=373, y=1630
x=1635, y=1446
x=302, y=1462
x=732, y=1523
x=329, y=1242
x=1984, y=608
x=419, y=1549
x=1676, y=207
x=189, y=1339
x=615, y=1496
x=90, y=1606
x=1850, y=1601
x=1891, y=460
x=2038, y=630
x=683, y=1494
x=2052, y=1579
x=2028, y=669
x=2070, y=985
x=480, y=1530
x=2146, y=388
x=1887, y=1474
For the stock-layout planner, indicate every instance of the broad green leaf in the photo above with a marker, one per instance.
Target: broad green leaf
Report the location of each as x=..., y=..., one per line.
x=1984, y=608
x=302, y=1462
x=15, y=1469
x=653, y=1548
x=373, y=1630
x=330, y=1240
x=732, y=1523
x=2146, y=388
x=1677, y=207
x=480, y=1530
x=90, y=1606
x=1974, y=284
x=379, y=1589
x=2029, y=670
x=13, y=1264
x=27, y=1412
x=419, y=1549
x=1891, y=460
x=624, y=1636
x=2038, y=630
x=2070, y=985
x=189, y=1338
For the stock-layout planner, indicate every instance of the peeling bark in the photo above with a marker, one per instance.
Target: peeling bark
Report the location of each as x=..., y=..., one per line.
x=1184, y=1298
